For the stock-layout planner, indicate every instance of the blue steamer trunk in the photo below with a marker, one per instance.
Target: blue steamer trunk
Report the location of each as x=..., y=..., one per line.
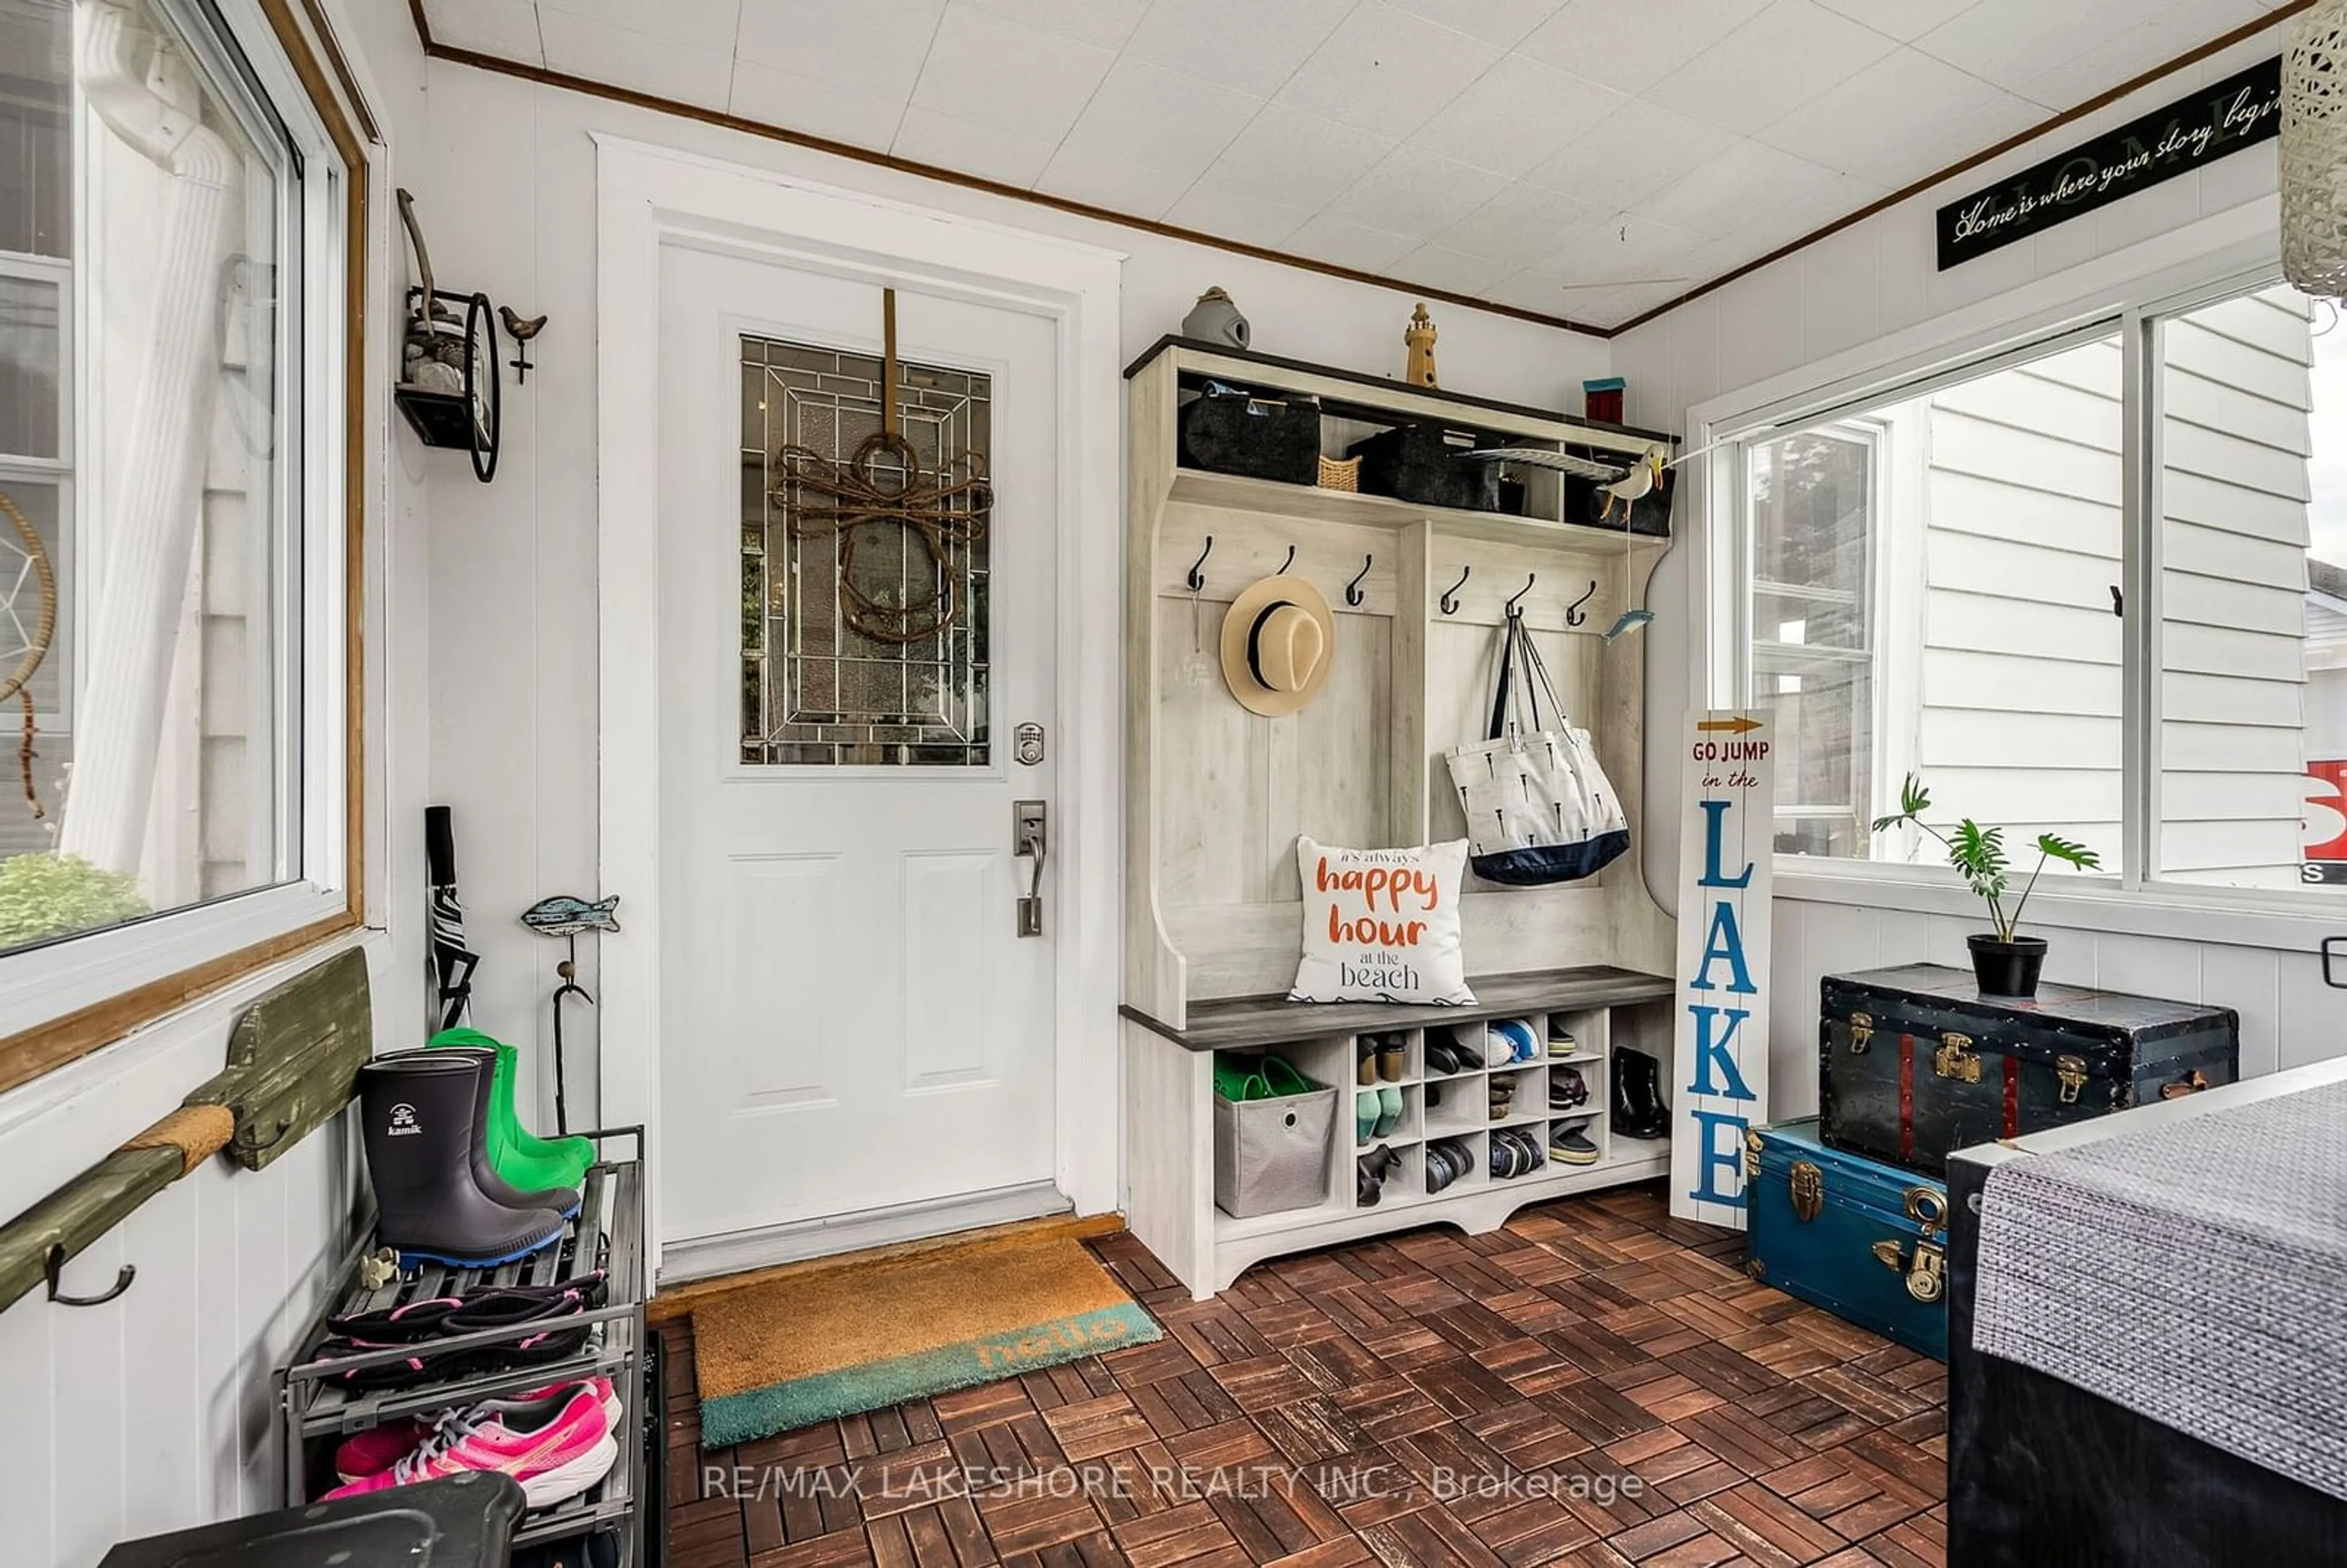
x=1865, y=1241
x=1915, y=1063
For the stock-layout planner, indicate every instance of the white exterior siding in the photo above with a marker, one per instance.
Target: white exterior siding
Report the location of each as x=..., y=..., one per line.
x=2235, y=440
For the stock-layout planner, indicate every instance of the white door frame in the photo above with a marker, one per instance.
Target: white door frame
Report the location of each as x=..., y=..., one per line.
x=648, y=198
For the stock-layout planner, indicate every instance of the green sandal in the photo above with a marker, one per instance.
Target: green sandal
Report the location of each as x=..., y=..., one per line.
x=520, y=1156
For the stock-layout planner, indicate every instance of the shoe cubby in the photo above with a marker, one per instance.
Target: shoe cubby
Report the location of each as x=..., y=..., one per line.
x=319, y=1410
x=1438, y=1109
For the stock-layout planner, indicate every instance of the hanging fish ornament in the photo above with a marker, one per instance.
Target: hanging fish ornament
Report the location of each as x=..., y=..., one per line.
x=564, y=916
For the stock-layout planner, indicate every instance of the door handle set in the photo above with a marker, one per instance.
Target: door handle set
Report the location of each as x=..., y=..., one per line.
x=1030, y=836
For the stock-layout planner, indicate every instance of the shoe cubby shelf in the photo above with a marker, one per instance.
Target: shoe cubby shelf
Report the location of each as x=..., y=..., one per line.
x=1172, y=1147
x=607, y=1234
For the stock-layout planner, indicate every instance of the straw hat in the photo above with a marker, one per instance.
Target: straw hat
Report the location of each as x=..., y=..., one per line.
x=1278, y=642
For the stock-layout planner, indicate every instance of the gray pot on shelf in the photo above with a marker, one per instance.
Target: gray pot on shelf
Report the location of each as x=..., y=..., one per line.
x=1214, y=319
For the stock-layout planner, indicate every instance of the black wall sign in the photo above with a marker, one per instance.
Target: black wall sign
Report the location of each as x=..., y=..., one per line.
x=2224, y=118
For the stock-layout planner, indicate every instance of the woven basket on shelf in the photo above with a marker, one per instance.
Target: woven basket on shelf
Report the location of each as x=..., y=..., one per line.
x=2313, y=149
x=1340, y=473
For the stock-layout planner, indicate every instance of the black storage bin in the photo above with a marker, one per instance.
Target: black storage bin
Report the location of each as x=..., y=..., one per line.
x=1420, y=463
x=1225, y=431
x=1584, y=503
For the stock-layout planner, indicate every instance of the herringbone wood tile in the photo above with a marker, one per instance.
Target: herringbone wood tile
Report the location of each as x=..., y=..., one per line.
x=1596, y=1384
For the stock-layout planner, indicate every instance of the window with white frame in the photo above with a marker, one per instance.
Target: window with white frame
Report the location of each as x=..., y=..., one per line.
x=171, y=545
x=1937, y=581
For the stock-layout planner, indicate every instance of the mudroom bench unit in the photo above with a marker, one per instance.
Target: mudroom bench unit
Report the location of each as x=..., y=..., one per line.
x=1170, y=1089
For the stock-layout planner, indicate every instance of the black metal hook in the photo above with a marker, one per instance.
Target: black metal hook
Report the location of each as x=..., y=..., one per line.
x=1572, y=615
x=1286, y=564
x=1353, y=595
x=1529, y=578
x=1451, y=598
x=53, y=1264
x=1197, y=580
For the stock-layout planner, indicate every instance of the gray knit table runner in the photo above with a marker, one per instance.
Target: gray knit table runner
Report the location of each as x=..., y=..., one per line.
x=2195, y=1274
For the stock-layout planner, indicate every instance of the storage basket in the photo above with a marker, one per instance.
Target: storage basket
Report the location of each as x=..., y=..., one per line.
x=1341, y=473
x=1225, y=431
x=1272, y=1155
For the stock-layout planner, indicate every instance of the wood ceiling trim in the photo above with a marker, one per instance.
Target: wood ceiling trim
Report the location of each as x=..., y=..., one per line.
x=2020, y=139
x=866, y=154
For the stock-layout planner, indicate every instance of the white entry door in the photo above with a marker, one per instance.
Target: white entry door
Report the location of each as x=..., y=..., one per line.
x=850, y=1019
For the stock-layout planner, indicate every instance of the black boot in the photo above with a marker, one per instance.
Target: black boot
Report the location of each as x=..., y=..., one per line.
x=1638, y=1101
x=422, y=1141
x=563, y=1201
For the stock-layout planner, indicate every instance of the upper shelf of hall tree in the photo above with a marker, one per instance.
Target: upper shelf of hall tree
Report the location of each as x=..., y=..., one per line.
x=1353, y=402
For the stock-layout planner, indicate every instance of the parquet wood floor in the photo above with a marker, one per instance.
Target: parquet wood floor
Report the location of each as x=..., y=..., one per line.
x=1595, y=1384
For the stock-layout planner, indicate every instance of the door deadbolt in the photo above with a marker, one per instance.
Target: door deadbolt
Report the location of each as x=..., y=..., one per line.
x=1027, y=744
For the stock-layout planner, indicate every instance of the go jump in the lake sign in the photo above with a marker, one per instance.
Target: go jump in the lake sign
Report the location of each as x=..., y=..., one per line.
x=1719, y=1081
x=2223, y=117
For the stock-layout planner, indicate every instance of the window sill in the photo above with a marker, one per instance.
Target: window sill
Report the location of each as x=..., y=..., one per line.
x=2233, y=918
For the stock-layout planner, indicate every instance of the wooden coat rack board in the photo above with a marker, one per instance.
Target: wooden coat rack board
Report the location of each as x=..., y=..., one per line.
x=1215, y=796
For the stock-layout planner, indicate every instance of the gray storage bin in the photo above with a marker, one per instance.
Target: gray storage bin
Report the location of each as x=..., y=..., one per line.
x=1272, y=1155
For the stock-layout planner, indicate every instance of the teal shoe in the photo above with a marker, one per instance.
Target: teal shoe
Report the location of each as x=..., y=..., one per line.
x=1388, y=1112
x=1366, y=1108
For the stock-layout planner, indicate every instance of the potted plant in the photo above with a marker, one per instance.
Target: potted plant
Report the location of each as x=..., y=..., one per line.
x=2005, y=963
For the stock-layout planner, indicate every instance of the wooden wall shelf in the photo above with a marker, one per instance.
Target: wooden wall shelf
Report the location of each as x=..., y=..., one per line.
x=1216, y=796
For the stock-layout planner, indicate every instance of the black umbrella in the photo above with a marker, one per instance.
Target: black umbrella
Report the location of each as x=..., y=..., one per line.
x=452, y=961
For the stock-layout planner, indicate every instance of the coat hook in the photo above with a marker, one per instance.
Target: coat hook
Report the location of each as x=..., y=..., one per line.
x=2118, y=601
x=54, y=1265
x=1196, y=581
x=1529, y=578
x=1450, y=599
x=1286, y=564
x=1572, y=615
x=1353, y=594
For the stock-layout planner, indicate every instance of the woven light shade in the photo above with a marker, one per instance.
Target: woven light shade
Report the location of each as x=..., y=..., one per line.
x=2314, y=152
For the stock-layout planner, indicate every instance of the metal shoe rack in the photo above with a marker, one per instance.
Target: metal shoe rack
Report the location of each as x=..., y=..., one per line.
x=607, y=1234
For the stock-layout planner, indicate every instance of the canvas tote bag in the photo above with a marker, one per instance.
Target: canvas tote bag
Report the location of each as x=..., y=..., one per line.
x=1539, y=808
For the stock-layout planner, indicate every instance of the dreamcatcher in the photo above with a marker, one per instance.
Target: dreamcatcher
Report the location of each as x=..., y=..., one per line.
x=24, y=564
x=882, y=484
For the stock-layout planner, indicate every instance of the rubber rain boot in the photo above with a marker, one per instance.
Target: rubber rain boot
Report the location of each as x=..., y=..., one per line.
x=519, y=1155
x=1637, y=1099
x=417, y=1115
x=562, y=1200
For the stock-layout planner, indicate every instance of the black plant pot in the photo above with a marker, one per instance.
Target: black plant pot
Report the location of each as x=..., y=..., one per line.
x=2007, y=969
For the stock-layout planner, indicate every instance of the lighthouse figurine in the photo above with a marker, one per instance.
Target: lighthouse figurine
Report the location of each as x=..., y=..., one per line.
x=1419, y=335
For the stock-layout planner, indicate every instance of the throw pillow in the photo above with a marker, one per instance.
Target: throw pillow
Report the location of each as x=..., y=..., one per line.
x=1382, y=925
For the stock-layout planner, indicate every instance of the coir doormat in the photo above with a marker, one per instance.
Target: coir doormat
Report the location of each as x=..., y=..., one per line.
x=785, y=1353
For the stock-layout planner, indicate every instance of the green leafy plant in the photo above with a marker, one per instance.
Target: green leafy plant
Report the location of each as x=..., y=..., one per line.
x=1979, y=853
x=44, y=895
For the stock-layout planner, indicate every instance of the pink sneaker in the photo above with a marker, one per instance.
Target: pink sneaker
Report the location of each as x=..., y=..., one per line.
x=555, y=1446
x=377, y=1449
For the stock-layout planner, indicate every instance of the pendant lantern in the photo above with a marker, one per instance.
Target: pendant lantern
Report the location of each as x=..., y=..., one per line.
x=2314, y=152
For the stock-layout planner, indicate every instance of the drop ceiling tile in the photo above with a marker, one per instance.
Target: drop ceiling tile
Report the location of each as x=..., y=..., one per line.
x=1416, y=193
x=1146, y=114
x=1631, y=44
x=1520, y=224
x=2011, y=42
x=1242, y=44
x=1904, y=20
x=1610, y=307
x=1500, y=22
x=1800, y=215
x=2145, y=45
x=711, y=24
x=814, y=105
x=505, y=28
x=1533, y=289
x=1624, y=250
x=685, y=72
x=1387, y=71
x=1431, y=266
x=876, y=44
x=1789, y=54
x=1238, y=215
x=1285, y=155
x=1343, y=244
x=965, y=147
x=1520, y=114
x=1738, y=188
x=1106, y=23
x=1631, y=154
x=1121, y=185
x=1899, y=120
x=998, y=73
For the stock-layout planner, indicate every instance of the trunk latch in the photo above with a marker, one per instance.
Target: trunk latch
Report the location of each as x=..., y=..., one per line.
x=1808, y=1186
x=1954, y=1059
x=2072, y=1072
x=1861, y=1032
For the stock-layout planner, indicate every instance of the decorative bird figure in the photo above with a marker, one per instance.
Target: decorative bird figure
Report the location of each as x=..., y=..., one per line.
x=522, y=332
x=1637, y=485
